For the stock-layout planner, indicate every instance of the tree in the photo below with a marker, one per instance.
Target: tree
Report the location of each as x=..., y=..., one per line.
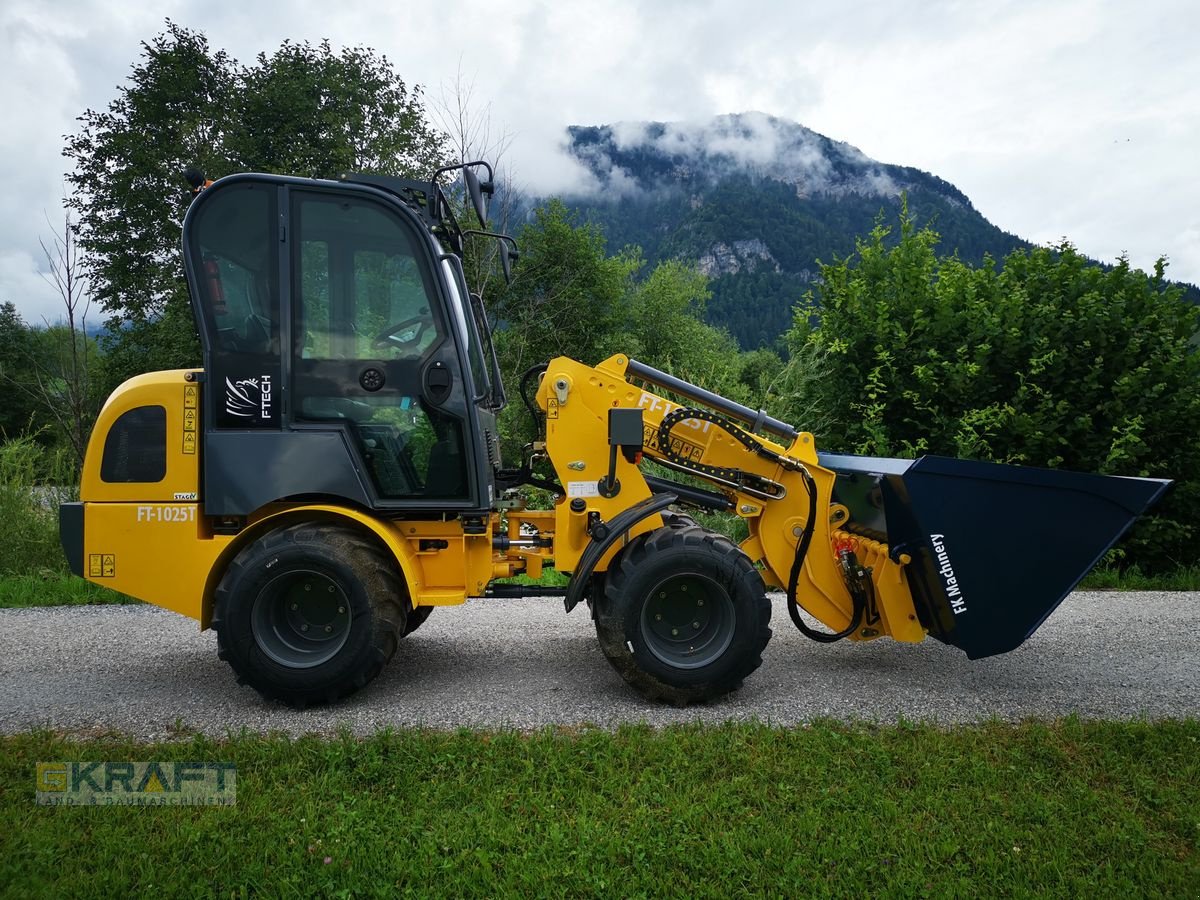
x=663, y=325
x=471, y=135
x=64, y=369
x=569, y=297
x=129, y=197
x=51, y=374
x=306, y=110
x=17, y=412
x=301, y=110
x=1053, y=361
x=566, y=294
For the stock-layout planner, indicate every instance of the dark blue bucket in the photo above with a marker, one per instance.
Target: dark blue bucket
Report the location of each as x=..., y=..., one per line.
x=994, y=548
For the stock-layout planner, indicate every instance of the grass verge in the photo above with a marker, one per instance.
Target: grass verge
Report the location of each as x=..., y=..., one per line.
x=1066, y=809
x=52, y=589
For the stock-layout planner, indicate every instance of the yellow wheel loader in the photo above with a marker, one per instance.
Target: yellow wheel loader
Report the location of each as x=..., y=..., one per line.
x=332, y=475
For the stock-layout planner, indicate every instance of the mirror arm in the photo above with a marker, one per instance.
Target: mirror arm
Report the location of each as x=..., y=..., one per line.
x=491, y=175
x=508, y=256
x=508, y=238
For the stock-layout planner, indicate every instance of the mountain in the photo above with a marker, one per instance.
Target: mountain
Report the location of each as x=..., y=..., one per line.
x=756, y=201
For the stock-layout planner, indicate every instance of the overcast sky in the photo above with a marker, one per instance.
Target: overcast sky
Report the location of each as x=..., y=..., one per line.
x=1058, y=118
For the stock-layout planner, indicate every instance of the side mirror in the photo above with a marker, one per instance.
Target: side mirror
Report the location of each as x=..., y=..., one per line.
x=475, y=192
x=507, y=258
x=508, y=250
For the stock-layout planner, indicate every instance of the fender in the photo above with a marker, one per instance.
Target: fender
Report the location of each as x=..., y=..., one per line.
x=614, y=530
x=397, y=546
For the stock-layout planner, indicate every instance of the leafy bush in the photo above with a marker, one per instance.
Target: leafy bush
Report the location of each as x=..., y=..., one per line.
x=33, y=481
x=1050, y=361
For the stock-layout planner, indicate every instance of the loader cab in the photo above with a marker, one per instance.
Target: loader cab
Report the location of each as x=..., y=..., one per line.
x=342, y=356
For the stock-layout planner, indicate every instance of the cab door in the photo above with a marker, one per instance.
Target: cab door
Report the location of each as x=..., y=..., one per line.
x=376, y=350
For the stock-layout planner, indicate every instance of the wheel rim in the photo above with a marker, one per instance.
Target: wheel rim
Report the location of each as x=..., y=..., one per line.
x=688, y=621
x=301, y=619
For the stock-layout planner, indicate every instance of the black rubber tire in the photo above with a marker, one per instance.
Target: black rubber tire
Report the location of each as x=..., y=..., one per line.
x=675, y=556
x=249, y=613
x=670, y=519
x=679, y=520
x=415, y=619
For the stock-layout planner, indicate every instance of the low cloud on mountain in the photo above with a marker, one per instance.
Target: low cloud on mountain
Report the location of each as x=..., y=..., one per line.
x=637, y=156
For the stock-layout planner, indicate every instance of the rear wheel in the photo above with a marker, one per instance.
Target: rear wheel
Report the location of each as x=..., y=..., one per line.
x=310, y=613
x=683, y=615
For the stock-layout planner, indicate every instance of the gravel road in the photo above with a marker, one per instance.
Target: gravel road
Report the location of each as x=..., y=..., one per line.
x=524, y=664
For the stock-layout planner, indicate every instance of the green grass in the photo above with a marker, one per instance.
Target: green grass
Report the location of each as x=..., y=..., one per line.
x=1065, y=809
x=53, y=589
x=550, y=578
x=1184, y=578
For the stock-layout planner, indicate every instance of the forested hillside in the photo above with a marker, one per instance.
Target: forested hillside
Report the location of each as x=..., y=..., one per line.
x=757, y=202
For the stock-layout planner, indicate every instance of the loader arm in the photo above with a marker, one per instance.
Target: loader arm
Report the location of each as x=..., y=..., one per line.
x=976, y=554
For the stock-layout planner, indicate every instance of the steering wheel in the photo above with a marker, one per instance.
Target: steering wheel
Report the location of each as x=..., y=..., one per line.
x=402, y=334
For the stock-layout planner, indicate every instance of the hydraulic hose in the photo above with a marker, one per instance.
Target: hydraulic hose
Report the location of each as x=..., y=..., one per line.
x=524, y=389
x=858, y=595
x=823, y=637
x=525, y=475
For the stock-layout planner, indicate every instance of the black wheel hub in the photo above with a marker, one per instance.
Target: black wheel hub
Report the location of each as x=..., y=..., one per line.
x=301, y=619
x=688, y=621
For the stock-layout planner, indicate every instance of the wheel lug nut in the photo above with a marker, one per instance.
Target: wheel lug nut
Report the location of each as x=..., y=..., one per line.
x=699, y=602
x=674, y=632
x=307, y=586
x=683, y=587
x=328, y=628
x=304, y=628
x=330, y=590
x=662, y=595
x=341, y=610
x=695, y=624
x=295, y=606
x=658, y=617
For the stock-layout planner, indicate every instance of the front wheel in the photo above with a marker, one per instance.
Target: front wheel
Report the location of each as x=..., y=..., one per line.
x=309, y=613
x=683, y=616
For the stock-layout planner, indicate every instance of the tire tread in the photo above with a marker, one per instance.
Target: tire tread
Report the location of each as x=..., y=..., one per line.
x=380, y=580
x=612, y=611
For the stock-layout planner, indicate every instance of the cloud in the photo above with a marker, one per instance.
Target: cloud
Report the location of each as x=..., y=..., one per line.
x=752, y=143
x=750, y=140
x=24, y=285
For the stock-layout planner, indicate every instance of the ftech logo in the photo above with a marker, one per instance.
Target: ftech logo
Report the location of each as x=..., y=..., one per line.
x=249, y=398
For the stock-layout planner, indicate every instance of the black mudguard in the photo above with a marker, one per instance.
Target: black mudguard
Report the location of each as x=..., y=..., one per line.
x=995, y=549
x=601, y=541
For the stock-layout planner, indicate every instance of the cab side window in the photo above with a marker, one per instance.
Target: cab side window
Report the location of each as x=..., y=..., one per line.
x=237, y=269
